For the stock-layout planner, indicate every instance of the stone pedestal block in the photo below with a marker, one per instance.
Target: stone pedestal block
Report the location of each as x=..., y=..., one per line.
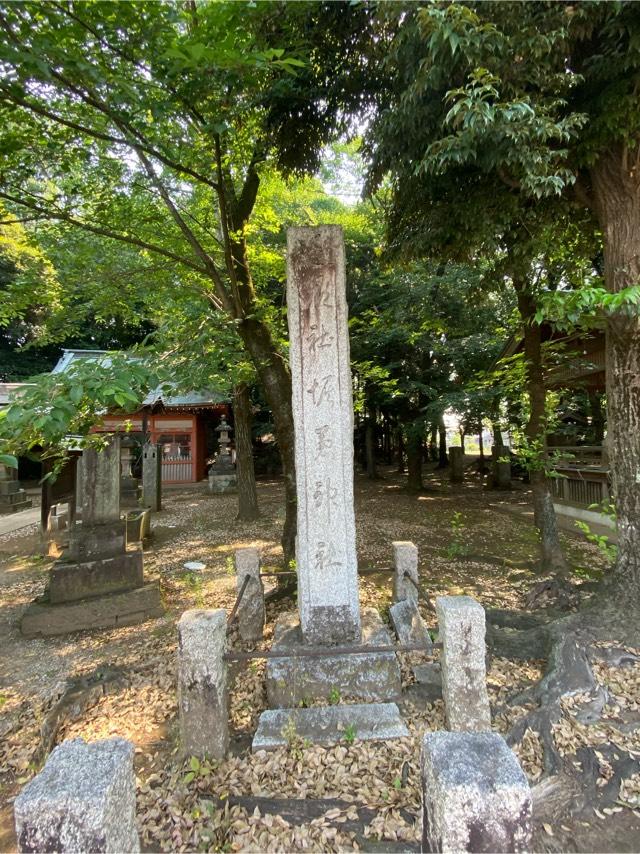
x=475, y=794
x=369, y=677
x=409, y=625
x=328, y=725
x=456, y=465
x=221, y=484
x=83, y=800
x=202, y=683
x=152, y=477
x=251, y=611
x=323, y=420
x=69, y=582
x=405, y=562
x=461, y=625
x=99, y=612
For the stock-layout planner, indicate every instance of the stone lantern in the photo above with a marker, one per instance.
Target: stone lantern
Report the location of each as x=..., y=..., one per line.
x=128, y=483
x=222, y=475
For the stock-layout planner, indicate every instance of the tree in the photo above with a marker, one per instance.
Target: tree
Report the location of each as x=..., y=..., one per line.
x=145, y=124
x=495, y=109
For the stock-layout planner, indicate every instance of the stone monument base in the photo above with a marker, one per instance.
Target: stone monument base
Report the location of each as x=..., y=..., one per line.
x=220, y=484
x=117, y=609
x=70, y=582
x=369, y=677
x=329, y=725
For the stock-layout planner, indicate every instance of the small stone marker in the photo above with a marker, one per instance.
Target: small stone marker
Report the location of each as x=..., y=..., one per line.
x=456, y=464
x=461, y=627
x=409, y=625
x=152, y=477
x=251, y=611
x=323, y=419
x=475, y=794
x=329, y=725
x=12, y=497
x=405, y=561
x=84, y=799
x=202, y=683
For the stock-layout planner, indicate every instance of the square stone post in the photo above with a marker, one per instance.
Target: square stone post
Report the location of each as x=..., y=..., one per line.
x=323, y=420
x=251, y=610
x=152, y=477
x=202, y=683
x=475, y=794
x=461, y=627
x=84, y=799
x=405, y=561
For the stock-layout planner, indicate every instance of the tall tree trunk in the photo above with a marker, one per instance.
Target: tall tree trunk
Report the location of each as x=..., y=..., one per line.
x=400, y=450
x=414, y=462
x=497, y=434
x=443, y=461
x=481, y=446
x=597, y=416
x=616, y=187
x=275, y=378
x=462, y=436
x=370, y=442
x=388, y=450
x=433, y=443
x=247, y=494
x=543, y=512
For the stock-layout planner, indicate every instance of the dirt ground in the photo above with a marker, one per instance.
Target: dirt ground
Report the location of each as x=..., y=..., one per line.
x=470, y=541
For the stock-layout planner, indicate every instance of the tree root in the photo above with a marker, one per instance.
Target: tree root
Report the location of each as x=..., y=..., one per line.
x=569, y=783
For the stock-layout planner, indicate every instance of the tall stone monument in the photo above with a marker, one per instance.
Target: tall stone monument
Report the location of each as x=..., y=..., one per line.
x=328, y=604
x=323, y=421
x=98, y=582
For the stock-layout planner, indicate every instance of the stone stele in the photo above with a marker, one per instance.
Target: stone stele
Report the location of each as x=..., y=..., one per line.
x=202, y=683
x=323, y=421
x=461, y=625
x=84, y=799
x=475, y=794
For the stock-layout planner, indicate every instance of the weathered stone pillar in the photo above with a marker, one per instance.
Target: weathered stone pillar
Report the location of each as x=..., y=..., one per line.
x=251, y=611
x=323, y=419
x=405, y=562
x=202, y=683
x=475, y=794
x=456, y=464
x=152, y=477
x=101, y=484
x=84, y=799
x=501, y=468
x=461, y=626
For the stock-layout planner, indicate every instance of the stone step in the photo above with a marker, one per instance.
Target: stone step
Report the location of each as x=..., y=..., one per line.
x=15, y=503
x=329, y=725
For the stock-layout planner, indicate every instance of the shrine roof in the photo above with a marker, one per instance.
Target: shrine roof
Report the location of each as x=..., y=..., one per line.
x=193, y=398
